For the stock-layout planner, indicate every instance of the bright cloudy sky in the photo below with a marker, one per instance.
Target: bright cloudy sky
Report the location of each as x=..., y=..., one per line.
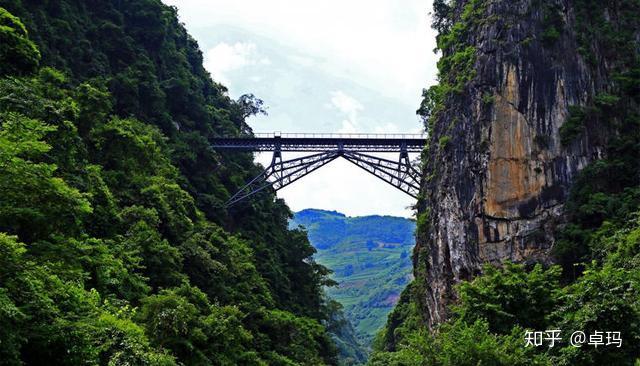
x=323, y=66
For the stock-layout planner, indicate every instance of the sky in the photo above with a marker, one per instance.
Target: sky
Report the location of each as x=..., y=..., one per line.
x=323, y=66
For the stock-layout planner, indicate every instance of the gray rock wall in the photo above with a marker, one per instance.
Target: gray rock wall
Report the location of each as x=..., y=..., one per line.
x=495, y=192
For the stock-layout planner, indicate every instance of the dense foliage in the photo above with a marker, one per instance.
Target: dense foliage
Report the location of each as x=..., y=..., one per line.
x=114, y=247
x=489, y=323
x=607, y=192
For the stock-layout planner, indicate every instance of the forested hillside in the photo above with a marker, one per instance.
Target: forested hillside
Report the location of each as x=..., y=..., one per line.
x=114, y=245
x=370, y=257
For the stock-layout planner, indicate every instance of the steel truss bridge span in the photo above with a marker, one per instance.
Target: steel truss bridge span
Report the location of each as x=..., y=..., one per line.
x=328, y=147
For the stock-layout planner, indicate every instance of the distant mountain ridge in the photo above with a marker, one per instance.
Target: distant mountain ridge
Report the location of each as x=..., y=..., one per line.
x=371, y=260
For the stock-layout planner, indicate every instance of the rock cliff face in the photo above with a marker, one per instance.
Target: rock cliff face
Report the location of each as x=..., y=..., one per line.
x=498, y=169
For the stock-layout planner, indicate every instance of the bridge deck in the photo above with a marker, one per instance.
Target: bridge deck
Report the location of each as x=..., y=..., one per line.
x=324, y=142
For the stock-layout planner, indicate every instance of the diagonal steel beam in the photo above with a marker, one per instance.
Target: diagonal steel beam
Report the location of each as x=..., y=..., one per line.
x=280, y=174
x=400, y=174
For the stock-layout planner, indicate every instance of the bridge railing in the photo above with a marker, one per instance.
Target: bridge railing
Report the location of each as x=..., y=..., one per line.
x=342, y=135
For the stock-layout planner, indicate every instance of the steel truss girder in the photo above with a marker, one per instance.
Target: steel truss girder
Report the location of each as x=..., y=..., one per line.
x=280, y=174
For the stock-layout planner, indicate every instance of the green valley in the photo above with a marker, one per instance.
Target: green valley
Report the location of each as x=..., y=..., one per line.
x=371, y=260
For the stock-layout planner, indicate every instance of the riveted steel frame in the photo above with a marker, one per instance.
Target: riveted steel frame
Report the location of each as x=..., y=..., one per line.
x=279, y=174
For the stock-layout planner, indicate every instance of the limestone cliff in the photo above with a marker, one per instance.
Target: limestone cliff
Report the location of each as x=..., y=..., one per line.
x=499, y=163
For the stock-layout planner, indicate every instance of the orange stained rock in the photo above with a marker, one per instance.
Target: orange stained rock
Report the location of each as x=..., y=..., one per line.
x=511, y=179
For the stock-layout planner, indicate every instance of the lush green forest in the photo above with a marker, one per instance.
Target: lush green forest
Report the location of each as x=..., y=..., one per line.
x=370, y=257
x=116, y=248
x=596, y=284
x=114, y=245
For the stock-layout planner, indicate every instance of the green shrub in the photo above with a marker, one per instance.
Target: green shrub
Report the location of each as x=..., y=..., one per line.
x=444, y=141
x=573, y=126
x=18, y=55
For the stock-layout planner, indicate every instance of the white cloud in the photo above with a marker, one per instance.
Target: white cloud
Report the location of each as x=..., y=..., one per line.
x=348, y=126
x=350, y=107
x=387, y=128
x=302, y=60
x=225, y=57
x=394, y=128
x=345, y=103
x=383, y=43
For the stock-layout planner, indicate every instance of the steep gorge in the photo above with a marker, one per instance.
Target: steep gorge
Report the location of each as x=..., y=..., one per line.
x=111, y=214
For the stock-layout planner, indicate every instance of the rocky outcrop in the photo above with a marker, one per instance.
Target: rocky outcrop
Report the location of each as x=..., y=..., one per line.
x=496, y=171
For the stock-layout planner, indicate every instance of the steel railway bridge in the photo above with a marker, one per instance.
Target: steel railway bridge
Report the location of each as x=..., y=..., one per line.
x=323, y=149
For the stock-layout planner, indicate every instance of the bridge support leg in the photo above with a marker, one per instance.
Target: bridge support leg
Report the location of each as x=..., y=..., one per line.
x=280, y=174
